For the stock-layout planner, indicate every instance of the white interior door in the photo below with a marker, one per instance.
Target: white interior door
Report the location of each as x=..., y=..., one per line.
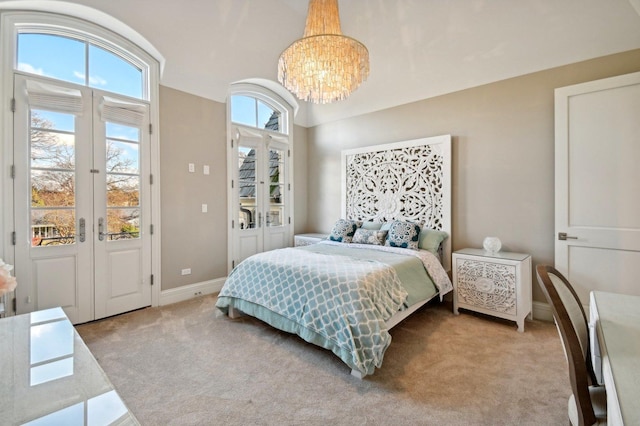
x=78, y=164
x=597, y=185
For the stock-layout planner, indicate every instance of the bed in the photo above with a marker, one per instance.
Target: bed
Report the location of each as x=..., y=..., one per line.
x=385, y=258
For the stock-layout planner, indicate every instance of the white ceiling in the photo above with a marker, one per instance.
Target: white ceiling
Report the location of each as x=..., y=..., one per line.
x=418, y=48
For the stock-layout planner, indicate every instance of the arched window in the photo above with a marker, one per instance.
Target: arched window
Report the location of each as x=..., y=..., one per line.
x=260, y=171
x=70, y=49
x=253, y=112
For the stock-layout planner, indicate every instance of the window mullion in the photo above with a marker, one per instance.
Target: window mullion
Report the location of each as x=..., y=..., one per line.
x=255, y=109
x=86, y=63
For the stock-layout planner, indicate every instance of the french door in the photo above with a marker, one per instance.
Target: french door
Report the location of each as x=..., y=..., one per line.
x=261, y=210
x=81, y=204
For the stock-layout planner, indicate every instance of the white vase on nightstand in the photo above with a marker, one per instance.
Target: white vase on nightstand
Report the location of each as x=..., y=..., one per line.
x=492, y=244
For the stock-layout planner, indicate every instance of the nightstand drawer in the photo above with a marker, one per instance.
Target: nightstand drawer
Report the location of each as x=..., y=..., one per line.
x=487, y=285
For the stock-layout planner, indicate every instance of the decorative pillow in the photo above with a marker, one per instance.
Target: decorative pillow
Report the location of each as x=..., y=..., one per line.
x=372, y=225
x=369, y=236
x=403, y=234
x=430, y=239
x=343, y=231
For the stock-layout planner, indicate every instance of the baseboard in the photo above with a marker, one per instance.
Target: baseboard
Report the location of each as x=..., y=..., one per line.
x=542, y=311
x=186, y=292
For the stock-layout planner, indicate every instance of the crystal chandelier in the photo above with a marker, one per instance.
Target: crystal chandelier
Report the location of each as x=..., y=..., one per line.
x=323, y=66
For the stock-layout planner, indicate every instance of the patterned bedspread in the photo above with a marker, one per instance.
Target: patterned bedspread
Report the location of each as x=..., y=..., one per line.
x=342, y=299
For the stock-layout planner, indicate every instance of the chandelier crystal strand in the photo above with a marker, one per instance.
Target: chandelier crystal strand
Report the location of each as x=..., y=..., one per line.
x=324, y=66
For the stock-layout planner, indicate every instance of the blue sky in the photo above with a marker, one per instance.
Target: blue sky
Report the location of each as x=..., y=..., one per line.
x=245, y=111
x=64, y=58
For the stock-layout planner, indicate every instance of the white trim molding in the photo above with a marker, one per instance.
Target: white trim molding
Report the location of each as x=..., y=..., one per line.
x=542, y=311
x=186, y=292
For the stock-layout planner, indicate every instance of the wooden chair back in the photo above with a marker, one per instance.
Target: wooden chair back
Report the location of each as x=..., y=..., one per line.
x=574, y=332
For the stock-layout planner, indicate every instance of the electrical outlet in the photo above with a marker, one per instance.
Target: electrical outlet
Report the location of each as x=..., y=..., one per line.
x=192, y=168
x=186, y=271
x=205, y=169
x=204, y=208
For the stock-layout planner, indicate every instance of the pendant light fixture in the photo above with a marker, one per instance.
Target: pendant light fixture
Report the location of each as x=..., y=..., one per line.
x=323, y=66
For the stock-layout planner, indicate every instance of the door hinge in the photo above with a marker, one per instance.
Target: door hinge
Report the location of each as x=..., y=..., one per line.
x=288, y=153
x=289, y=220
x=14, y=305
x=233, y=264
x=150, y=179
x=151, y=279
x=13, y=104
x=151, y=229
x=150, y=128
x=13, y=171
x=231, y=143
x=289, y=187
x=233, y=224
x=231, y=183
x=13, y=238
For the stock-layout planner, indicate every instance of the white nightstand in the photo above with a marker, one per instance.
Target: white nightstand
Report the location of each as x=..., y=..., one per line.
x=307, y=239
x=497, y=284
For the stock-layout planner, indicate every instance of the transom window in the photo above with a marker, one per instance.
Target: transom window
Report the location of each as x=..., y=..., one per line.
x=253, y=112
x=79, y=61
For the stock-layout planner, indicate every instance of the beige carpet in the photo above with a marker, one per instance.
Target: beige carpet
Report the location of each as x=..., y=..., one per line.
x=183, y=365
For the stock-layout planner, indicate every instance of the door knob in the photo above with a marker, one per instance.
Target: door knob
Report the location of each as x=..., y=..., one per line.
x=562, y=236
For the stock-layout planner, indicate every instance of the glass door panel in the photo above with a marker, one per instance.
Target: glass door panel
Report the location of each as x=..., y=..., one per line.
x=275, y=214
x=122, y=152
x=52, y=177
x=248, y=214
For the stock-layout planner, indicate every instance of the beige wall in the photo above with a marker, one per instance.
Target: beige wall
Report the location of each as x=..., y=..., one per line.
x=503, y=142
x=300, y=182
x=193, y=130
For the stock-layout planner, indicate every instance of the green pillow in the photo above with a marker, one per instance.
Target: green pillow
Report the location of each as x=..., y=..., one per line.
x=430, y=239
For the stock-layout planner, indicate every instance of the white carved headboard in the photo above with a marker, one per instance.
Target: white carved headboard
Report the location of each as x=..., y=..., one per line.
x=408, y=180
